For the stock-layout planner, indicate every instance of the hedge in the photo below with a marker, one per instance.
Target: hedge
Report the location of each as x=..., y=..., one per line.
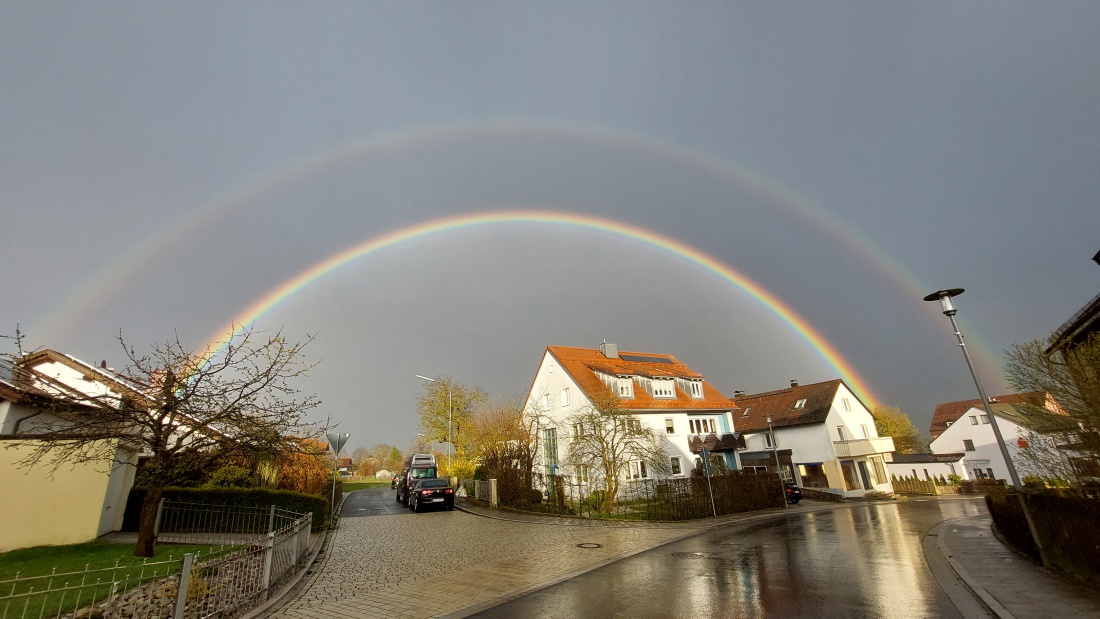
x=243, y=497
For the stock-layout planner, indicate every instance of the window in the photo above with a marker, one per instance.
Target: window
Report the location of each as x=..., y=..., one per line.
x=801, y=403
x=565, y=397
x=745, y=413
x=581, y=475
x=634, y=425
x=578, y=430
x=696, y=389
x=701, y=426
x=626, y=388
x=663, y=389
x=676, y=470
x=968, y=444
x=880, y=470
x=991, y=475
x=978, y=474
x=985, y=419
x=863, y=429
x=550, y=450
x=840, y=433
x=769, y=440
x=949, y=423
x=637, y=469
x=670, y=426
x=973, y=420
x=847, y=405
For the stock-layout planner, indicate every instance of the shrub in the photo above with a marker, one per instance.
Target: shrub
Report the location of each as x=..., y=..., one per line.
x=230, y=476
x=534, y=497
x=954, y=479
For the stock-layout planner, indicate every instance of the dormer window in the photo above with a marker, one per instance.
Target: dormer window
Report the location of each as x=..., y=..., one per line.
x=697, y=389
x=800, y=404
x=626, y=388
x=663, y=388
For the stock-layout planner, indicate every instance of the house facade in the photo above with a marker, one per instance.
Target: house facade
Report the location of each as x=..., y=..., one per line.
x=818, y=436
x=659, y=391
x=966, y=428
x=70, y=504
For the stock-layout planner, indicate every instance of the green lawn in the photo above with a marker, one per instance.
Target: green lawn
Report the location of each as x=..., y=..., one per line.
x=351, y=486
x=98, y=555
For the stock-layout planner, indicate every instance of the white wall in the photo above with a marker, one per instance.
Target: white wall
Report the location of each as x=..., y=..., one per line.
x=986, y=454
x=935, y=469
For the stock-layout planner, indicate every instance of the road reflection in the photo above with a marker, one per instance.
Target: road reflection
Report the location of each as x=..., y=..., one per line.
x=854, y=561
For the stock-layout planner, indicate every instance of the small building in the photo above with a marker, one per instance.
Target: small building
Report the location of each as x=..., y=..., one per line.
x=817, y=436
x=928, y=466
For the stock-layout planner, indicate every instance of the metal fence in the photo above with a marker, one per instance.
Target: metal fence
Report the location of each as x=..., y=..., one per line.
x=683, y=498
x=225, y=582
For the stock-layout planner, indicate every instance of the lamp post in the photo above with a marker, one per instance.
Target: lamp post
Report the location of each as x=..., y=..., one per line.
x=449, y=444
x=944, y=297
x=775, y=452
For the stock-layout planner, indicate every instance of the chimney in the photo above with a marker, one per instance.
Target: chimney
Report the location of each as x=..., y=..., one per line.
x=738, y=393
x=611, y=351
x=103, y=364
x=794, y=383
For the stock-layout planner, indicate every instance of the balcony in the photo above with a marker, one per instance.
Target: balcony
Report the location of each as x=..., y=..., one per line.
x=716, y=442
x=863, y=447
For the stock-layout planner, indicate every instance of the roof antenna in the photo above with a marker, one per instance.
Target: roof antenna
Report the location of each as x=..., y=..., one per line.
x=18, y=339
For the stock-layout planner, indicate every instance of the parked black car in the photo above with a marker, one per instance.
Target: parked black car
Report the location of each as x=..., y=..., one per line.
x=409, y=475
x=794, y=494
x=425, y=493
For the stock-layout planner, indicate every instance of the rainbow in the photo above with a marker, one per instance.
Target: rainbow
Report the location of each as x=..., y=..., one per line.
x=302, y=280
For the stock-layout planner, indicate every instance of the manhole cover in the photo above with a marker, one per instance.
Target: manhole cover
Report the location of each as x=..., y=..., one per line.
x=589, y=545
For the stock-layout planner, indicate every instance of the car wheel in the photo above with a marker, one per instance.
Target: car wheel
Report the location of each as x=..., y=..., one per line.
x=415, y=506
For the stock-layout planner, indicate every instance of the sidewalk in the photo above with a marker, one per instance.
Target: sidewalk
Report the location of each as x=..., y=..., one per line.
x=1006, y=583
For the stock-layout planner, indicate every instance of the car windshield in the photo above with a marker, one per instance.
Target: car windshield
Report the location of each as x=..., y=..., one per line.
x=421, y=473
x=434, y=483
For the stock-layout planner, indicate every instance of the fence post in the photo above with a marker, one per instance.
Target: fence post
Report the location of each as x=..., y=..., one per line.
x=184, y=582
x=492, y=493
x=269, y=555
x=271, y=520
x=160, y=513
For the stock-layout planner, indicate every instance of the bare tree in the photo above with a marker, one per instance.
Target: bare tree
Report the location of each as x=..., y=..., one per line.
x=1071, y=378
x=181, y=410
x=606, y=438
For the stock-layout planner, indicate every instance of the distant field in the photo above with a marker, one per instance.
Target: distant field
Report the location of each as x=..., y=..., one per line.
x=351, y=486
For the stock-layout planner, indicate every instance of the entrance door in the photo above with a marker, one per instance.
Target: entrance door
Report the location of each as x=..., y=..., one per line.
x=865, y=475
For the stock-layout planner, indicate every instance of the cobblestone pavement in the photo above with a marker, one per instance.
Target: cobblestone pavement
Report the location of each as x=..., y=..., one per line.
x=440, y=563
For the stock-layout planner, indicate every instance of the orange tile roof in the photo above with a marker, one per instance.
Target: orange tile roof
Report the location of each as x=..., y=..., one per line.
x=951, y=411
x=583, y=363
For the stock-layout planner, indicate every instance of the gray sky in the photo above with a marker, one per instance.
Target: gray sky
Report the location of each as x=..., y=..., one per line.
x=162, y=168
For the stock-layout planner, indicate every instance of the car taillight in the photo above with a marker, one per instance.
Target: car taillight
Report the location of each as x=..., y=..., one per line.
x=425, y=492
x=448, y=491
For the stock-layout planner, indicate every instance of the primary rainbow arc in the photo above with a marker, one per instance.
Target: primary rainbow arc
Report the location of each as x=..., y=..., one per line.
x=302, y=280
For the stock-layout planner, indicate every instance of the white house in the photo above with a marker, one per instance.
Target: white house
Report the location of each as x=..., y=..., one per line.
x=660, y=391
x=74, y=503
x=971, y=431
x=819, y=436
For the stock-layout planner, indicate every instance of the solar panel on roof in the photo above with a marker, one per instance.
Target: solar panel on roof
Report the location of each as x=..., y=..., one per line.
x=645, y=359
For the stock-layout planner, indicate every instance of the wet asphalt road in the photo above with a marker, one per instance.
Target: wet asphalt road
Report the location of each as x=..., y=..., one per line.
x=374, y=501
x=858, y=561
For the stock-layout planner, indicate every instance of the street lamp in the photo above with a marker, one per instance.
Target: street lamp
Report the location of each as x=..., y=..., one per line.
x=944, y=297
x=449, y=444
x=775, y=452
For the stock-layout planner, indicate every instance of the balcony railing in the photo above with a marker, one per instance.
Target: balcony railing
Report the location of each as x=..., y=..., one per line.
x=863, y=447
x=716, y=442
